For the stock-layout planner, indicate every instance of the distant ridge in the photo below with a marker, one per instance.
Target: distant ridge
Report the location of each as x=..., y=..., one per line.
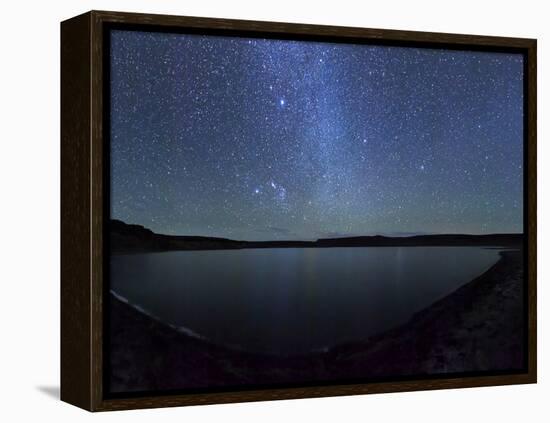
x=125, y=238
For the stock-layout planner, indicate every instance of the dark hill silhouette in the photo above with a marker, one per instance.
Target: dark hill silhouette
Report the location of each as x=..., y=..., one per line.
x=136, y=238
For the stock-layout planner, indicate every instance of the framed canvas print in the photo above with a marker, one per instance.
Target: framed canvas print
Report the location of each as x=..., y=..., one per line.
x=257, y=210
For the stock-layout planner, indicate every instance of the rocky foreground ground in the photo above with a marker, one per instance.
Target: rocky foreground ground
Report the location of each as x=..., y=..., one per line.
x=479, y=327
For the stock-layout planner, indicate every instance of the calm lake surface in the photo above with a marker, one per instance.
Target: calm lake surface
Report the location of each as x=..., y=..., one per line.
x=293, y=300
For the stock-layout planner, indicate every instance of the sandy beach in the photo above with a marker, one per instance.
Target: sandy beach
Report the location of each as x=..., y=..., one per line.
x=478, y=327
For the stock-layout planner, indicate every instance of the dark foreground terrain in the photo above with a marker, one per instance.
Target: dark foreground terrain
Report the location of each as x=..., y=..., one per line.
x=479, y=327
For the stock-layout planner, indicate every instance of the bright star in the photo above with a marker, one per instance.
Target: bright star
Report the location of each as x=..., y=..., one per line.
x=282, y=101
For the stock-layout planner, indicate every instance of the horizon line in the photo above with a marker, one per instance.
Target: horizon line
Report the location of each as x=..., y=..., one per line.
x=412, y=235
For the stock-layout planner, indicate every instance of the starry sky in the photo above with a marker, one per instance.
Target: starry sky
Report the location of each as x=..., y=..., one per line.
x=261, y=139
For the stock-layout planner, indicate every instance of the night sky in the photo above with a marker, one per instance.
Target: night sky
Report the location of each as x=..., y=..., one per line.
x=261, y=139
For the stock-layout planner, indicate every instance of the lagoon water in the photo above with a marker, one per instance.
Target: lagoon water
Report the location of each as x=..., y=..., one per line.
x=293, y=300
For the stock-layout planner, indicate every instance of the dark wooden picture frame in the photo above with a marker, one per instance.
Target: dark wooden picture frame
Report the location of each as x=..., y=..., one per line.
x=83, y=209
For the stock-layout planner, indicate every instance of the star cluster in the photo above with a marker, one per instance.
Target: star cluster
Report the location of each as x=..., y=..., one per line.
x=263, y=139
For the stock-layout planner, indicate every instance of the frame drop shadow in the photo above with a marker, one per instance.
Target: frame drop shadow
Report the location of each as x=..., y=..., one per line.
x=50, y=391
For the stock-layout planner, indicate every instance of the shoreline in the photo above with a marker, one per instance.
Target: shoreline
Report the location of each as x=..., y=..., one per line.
x=129, y=238
x=478, y=327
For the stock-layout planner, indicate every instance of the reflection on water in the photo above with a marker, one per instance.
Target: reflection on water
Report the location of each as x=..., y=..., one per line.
x=293, y=300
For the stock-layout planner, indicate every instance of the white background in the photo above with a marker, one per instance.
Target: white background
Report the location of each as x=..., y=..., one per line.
x=29, y=178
